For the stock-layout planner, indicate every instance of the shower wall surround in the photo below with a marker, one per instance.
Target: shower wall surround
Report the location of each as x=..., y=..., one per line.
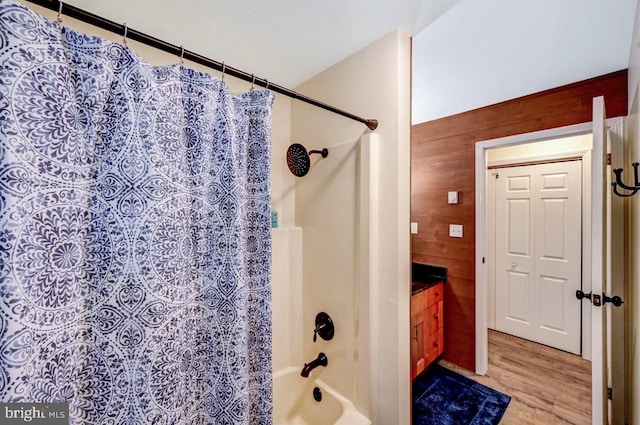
x=353, y=208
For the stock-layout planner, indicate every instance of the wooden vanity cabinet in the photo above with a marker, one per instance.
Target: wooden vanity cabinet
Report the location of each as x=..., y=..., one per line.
x=426, y=328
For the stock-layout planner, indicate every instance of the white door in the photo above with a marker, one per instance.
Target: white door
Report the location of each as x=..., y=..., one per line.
x=599, y=267
x=607, y=249
x=615, y=277
x=539, y=253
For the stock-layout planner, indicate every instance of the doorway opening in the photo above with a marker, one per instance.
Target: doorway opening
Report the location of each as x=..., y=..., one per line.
x=537, y=194
x=605, y=366
x=485, y=293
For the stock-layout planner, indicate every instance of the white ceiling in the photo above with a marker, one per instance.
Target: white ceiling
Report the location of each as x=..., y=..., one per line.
x=284, y=41
x=466, y=53
x=484, y=52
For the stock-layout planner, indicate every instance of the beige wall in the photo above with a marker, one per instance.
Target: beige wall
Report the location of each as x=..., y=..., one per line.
x=286, y=303
x=369, y=357
x=633, y=261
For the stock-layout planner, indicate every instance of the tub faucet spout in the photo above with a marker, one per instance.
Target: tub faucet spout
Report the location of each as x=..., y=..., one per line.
x=308, y=367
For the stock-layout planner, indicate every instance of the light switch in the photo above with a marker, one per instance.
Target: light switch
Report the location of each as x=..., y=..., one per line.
x=414, y=228
x=453, y=197
x=455, y=230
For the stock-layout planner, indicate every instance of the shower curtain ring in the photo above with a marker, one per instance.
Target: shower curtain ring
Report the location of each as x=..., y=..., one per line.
x=181, y=56
x=59, y=17
x=253, y=80
x=124, y=37
x=266, y=87
x=224, y=67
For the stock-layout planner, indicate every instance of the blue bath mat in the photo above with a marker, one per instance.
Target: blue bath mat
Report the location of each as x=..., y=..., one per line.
x=442, y=397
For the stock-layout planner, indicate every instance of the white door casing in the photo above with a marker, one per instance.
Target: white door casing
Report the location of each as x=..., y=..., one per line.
x=484, y=229
x=538, y=253
x=594, y=339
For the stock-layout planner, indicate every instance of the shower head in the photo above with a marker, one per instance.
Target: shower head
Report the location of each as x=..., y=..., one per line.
x=298, y=159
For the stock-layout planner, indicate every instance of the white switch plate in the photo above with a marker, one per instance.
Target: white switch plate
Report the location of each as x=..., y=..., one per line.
x=414, y=228
x=453, y=197
x=455, y=230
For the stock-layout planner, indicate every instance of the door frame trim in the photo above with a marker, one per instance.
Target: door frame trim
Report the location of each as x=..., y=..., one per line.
x=481, y=319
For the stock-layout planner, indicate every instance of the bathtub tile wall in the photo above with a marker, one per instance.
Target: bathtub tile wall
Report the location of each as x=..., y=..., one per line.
x=286, y=284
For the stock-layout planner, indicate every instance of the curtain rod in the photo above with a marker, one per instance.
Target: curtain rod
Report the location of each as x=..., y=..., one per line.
x=98, y=21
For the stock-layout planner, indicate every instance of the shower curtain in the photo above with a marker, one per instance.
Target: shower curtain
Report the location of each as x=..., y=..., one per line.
x=135, y=248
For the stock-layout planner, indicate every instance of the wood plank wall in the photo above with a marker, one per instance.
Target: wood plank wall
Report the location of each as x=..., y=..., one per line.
x=443, y=159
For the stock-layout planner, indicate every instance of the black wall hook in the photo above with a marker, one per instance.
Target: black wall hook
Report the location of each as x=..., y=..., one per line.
x=632, y=189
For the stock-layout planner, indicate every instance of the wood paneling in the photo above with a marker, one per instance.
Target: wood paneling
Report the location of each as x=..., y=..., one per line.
x=443, y=159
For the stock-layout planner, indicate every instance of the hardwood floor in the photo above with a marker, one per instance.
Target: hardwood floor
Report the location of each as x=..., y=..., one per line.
x=547, y=386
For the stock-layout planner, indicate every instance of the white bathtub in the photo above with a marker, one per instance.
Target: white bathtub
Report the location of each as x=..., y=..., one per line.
x=294, y=404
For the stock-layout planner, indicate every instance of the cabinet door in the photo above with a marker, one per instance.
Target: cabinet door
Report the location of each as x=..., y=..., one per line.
x=426, y=328
x=418, y=352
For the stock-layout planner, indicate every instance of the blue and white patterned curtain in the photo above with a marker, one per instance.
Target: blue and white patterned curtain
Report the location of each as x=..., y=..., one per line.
x=135, y=247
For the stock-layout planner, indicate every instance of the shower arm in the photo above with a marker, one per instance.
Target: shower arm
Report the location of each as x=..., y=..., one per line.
x=324, y=152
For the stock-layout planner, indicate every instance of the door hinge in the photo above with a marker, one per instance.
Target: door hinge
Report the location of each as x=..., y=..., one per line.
x=610, y=393
x=608, y=159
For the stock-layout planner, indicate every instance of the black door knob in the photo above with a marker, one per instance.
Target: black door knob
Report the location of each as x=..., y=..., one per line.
x=581, y=295
x=615, y=300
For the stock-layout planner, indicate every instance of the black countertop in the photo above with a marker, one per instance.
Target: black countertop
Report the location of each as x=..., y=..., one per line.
x=424, y=276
